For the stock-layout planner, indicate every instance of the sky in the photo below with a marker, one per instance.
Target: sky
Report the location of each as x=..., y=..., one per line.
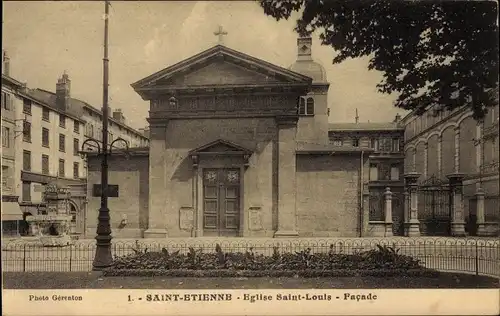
x=45, y=39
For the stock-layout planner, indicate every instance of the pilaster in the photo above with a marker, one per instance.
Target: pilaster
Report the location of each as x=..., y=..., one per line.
x=388, y=212
x=481, y=226
x=457, y=149
x=287, y=216
x=426, y=154
x=158, y=191
x=439, y=155
x=457, y=204
x=411, y=187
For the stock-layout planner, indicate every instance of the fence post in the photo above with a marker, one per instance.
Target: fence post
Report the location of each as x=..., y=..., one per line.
x=477, y=260
x=411, y=185
x=70, y=253
x=388, y=212
x=24, y=258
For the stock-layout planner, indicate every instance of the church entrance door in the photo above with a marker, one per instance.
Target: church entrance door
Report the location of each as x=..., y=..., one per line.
x=221, y=200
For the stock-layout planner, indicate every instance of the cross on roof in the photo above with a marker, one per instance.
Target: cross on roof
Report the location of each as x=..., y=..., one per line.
x=220, y=33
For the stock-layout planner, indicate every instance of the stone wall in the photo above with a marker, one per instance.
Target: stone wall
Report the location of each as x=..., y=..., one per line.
x=328, y=195
x=129, y=211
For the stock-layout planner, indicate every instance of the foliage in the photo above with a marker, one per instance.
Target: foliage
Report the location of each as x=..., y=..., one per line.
x=430, y=52
x=383, y=258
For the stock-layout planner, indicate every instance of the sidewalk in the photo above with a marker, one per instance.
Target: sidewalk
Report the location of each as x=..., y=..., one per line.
x=93, y=280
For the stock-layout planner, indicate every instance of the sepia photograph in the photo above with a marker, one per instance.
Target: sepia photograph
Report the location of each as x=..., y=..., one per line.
x=250, y=157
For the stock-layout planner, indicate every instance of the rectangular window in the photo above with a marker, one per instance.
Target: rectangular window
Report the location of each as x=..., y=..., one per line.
x=61, y=168
x=5, y=137
x=26, y=192
x=62, y=120
x=26, y=132
x=384, y=171
x=27, y=106
x=76, y=146
x=89, y=130
x=374, y=144
x=45, y=114
x=385, y=144
x=76, y=127
x=76, y=170
x=355, y=142
x=45, y=164
x=62, y=143
x=45, y=137
x=373, y=172
x=26, y=160
x=395, y=173
x=6, y=101
x=395, y=145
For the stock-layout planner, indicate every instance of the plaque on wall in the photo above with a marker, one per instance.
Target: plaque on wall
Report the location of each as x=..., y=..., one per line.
x=255, y=218
x=186, y=218
x=112, y=190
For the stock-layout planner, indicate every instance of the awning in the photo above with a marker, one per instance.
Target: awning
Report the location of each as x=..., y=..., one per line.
x=11, y=211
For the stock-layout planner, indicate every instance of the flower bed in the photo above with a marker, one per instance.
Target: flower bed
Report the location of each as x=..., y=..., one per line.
x=383, y=261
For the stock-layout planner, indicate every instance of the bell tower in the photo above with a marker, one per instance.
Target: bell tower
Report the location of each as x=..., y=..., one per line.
x=312, y=107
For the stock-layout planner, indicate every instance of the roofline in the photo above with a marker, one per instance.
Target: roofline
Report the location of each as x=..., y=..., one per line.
x=340, y=150
x=42, y=103
x=114, y=121
x=179, y=65
x=95, y=110
x=412, y=112
x=12, y=80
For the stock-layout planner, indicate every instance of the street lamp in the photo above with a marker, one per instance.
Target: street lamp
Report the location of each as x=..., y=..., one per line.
x=103, y=257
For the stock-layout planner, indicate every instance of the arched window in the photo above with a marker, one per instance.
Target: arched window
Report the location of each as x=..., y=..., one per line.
x=306, y=106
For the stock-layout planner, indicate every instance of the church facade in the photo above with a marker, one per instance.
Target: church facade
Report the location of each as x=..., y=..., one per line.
x=238, y=147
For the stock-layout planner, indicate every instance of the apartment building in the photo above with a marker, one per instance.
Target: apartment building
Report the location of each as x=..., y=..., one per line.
x=11, y=212
x=42, y=137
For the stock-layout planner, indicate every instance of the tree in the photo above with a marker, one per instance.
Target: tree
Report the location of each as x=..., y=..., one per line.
x=430, y=52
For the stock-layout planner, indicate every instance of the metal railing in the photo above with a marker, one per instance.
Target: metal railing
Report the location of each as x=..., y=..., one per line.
x=470, y=255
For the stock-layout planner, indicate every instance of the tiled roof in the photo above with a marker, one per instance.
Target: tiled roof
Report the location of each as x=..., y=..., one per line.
x=388, y=126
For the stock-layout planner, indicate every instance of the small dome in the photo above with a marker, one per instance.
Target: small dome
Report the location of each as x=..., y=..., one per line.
x=311, y=69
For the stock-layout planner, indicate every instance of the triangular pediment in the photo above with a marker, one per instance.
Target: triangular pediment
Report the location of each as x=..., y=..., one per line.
x=221, y=146
x=223, y=66
x=219, y=72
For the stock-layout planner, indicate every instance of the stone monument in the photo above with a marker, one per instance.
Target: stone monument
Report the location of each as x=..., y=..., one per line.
x=53, y=227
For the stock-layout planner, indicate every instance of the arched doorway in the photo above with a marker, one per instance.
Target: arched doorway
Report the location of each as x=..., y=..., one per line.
x=76, y=220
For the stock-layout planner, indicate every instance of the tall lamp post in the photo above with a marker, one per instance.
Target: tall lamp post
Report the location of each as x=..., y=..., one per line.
x=103, y=257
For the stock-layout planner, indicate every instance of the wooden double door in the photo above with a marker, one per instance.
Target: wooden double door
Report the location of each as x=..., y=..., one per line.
x=221, y=202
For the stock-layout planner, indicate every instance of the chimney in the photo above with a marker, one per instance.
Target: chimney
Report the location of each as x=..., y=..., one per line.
x=397, y=118
x=356, y=118
x=5, y=64
x=118, y=116
x=63, y=88
x=304, y=48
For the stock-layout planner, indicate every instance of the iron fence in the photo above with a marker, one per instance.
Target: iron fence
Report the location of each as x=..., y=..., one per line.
x=470, y=255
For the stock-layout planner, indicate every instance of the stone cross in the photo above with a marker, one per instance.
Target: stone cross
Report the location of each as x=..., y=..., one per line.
x=220, y=33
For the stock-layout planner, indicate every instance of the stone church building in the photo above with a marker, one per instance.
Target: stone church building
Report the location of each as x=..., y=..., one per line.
x=238, y=147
